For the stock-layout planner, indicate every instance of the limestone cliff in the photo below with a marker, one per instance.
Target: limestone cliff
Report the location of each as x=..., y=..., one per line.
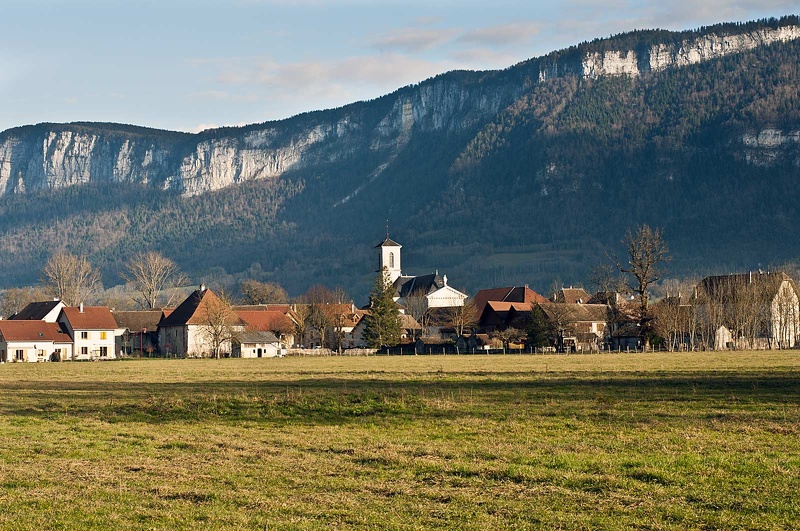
x=51, y=156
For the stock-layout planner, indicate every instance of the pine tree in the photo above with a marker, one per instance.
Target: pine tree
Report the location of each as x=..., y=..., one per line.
x=382, y=321
x=537, y=328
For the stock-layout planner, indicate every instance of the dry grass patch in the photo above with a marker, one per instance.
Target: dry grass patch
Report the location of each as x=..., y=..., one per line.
x=702, y=440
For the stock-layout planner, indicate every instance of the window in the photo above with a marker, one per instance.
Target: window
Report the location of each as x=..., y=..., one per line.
x=103, y=351
x=84, y=335
x=103, y=335
x=20, y=355
x=391, y=260
x=85, y=351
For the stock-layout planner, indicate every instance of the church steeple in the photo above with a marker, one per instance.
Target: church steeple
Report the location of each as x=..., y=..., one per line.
x=389, y=257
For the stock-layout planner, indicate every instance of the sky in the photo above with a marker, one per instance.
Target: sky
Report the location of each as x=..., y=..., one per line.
x=188, y=65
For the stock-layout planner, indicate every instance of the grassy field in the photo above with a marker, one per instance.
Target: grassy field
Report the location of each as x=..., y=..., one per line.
x=646, y=441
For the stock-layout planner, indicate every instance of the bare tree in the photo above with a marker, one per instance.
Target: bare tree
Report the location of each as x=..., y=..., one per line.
x=416, y=304
x=561, y=321
x=255, y=292
x=219, y=323
x=153, y=275
x=12, y=300
x=462, y=318
x=70, y=278
x=605, y=279
x=647, y=254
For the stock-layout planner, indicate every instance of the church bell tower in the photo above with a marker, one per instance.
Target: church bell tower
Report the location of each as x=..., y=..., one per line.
x=389, y=258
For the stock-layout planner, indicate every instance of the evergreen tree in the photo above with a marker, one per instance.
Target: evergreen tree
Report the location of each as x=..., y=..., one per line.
x=382, y=322
x=537, y=328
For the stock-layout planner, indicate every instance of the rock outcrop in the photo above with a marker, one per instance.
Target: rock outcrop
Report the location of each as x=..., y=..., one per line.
x=51, y=156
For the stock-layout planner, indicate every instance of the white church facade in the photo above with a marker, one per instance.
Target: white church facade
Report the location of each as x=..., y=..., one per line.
x=433, y=287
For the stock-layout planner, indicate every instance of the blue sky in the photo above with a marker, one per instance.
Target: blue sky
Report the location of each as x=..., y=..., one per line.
x=191, y=64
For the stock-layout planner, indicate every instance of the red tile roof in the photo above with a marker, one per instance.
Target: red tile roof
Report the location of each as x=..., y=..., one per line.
x=91, y=318
x=33, y=331
x=509, y=294
x=265, y=321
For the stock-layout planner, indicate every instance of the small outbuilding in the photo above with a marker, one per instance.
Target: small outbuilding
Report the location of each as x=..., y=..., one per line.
x=255, y=344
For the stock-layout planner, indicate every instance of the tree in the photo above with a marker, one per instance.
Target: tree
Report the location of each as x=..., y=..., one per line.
x=70, y=278
x=255, y=292
x=12, y=300
x=509, y=335
x=647, y=254
x=151, y=275
x=462, y=318
x=219, y=322
x=416, y=304
x=537, y=328
x=382, y=322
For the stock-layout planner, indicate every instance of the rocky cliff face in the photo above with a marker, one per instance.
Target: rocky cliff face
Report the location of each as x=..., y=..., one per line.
x=50, y=157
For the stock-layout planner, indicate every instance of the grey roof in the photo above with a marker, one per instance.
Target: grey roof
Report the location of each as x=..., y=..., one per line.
x=136, y=321
x=255, y=336
x=424, y=283
x=35, y=311
x=388, y=242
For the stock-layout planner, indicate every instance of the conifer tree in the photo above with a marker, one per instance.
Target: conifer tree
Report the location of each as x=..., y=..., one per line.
x=382, y=322
x=537, y=328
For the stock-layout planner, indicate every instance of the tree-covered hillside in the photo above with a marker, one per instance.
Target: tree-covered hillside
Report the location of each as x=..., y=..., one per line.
x=537, y=192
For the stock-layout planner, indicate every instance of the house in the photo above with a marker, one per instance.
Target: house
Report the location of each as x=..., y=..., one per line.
x=47, y=311
x=139, y=331
x=92, y=329
x=581, y=327
x=280, y=322
x=198, y=326
x=571, y=295
x=756, y=309
x=498, y=315
x=31, y=340
x=255, y=344
x=518, y=294
x=431, y=290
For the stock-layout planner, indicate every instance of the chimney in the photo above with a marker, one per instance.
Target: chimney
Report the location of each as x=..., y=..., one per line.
x=750, y=277
x=202, y=288
x=81, y=308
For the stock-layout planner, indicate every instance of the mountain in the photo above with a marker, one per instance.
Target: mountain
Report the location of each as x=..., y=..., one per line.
x=524, y=175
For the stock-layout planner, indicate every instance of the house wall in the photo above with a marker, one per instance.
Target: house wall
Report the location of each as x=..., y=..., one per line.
x=32, y=351
x=250, y=350
x=92, y=343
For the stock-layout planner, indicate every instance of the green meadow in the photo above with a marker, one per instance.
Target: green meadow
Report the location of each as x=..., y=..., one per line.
x=614, y=441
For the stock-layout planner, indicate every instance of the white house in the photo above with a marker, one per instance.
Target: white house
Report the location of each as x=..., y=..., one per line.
x=255, y=344
x=47, y=311
x=188, y=329
x=92, y=329
x=33, y=341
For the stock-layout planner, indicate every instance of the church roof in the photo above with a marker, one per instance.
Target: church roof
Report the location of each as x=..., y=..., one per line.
x=424, y=283
x=388, y=242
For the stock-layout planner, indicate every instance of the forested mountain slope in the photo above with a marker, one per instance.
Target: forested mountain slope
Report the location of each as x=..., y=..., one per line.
x=524, y=175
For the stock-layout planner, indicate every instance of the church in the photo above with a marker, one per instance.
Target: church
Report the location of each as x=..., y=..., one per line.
x=431, y=288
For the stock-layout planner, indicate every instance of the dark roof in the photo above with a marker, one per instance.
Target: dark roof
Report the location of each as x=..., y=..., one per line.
x=388, y=242
x=33, y=331
x=577, y=312
x=138, y=320
x=255, y=336
x=725, y=286
x=508, y=294
x=424, y=283
x=35, y=311
x=572, y=295
x=188, y=311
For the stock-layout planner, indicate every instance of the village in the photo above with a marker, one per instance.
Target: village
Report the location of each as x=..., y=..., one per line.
x=755, y=310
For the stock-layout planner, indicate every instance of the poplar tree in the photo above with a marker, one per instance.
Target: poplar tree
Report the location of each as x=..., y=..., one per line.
x=382, y=322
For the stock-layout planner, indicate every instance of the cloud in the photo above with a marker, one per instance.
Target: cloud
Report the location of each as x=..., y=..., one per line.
x=503, y=35
x=414, y=40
